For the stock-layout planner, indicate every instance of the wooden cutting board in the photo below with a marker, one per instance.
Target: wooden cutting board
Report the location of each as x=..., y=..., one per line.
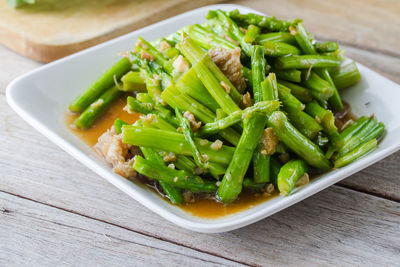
x=52, y=29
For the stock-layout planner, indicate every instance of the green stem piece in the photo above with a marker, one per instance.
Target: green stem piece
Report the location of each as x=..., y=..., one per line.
x=103, y=83
x=177, y=178
x=231, y=184
x=289, y=174
x=97, y=108
x=356, y=153
x=133, y=82
x=297, y=142
x=306, y=62
x=258, y=71
x=251, y=34
x=174, y=142
x=188, y=134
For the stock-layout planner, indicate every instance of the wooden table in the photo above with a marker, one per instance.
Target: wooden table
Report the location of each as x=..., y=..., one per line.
x=53, y=210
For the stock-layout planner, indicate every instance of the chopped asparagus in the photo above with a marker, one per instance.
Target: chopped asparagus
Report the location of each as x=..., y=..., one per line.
x=97, y=108
x=103, y=83
x=231, y=184
x=289, y=174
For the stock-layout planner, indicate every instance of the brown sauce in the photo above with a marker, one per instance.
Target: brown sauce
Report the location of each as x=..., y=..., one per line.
x=202, y=207
x=210, y=208
x=343, y=116
x=101, y=125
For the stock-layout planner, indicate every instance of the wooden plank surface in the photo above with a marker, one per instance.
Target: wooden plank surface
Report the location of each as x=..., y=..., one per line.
x=50, y=203
x=49, y=236
x=52, y=29
x=382, y=179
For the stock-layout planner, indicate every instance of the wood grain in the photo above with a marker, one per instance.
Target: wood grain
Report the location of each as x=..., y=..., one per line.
x=51, y=29
x=367, y=24
x=374, y=180
x=51, y=237
x=12, y=65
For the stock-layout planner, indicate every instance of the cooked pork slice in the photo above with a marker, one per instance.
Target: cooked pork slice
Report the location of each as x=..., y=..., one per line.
x=180, y=64
x=194, y=124
x=228, y=61
x=164, y=46
x=145, y=55
x=119, y=155
x=269, y=141
x=247, y=101
x=125, y=168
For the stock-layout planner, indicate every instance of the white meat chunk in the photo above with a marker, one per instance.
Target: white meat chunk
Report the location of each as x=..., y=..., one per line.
x=119, y=155
x=228, y=61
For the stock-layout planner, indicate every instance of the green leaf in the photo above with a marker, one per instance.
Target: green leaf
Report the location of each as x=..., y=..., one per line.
x=18, y=3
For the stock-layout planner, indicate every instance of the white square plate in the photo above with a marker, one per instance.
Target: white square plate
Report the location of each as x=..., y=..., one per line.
x=41, y=97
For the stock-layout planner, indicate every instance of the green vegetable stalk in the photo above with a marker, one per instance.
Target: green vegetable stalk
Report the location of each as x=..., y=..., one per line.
x=231, y=184
x=97, y=108
x=103, y=83
x=289, y=174
x=178, y=178
x=297, y=142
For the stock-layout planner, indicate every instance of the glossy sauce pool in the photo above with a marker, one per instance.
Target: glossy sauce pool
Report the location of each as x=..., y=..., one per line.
x=202, y=207
x=101, y=125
